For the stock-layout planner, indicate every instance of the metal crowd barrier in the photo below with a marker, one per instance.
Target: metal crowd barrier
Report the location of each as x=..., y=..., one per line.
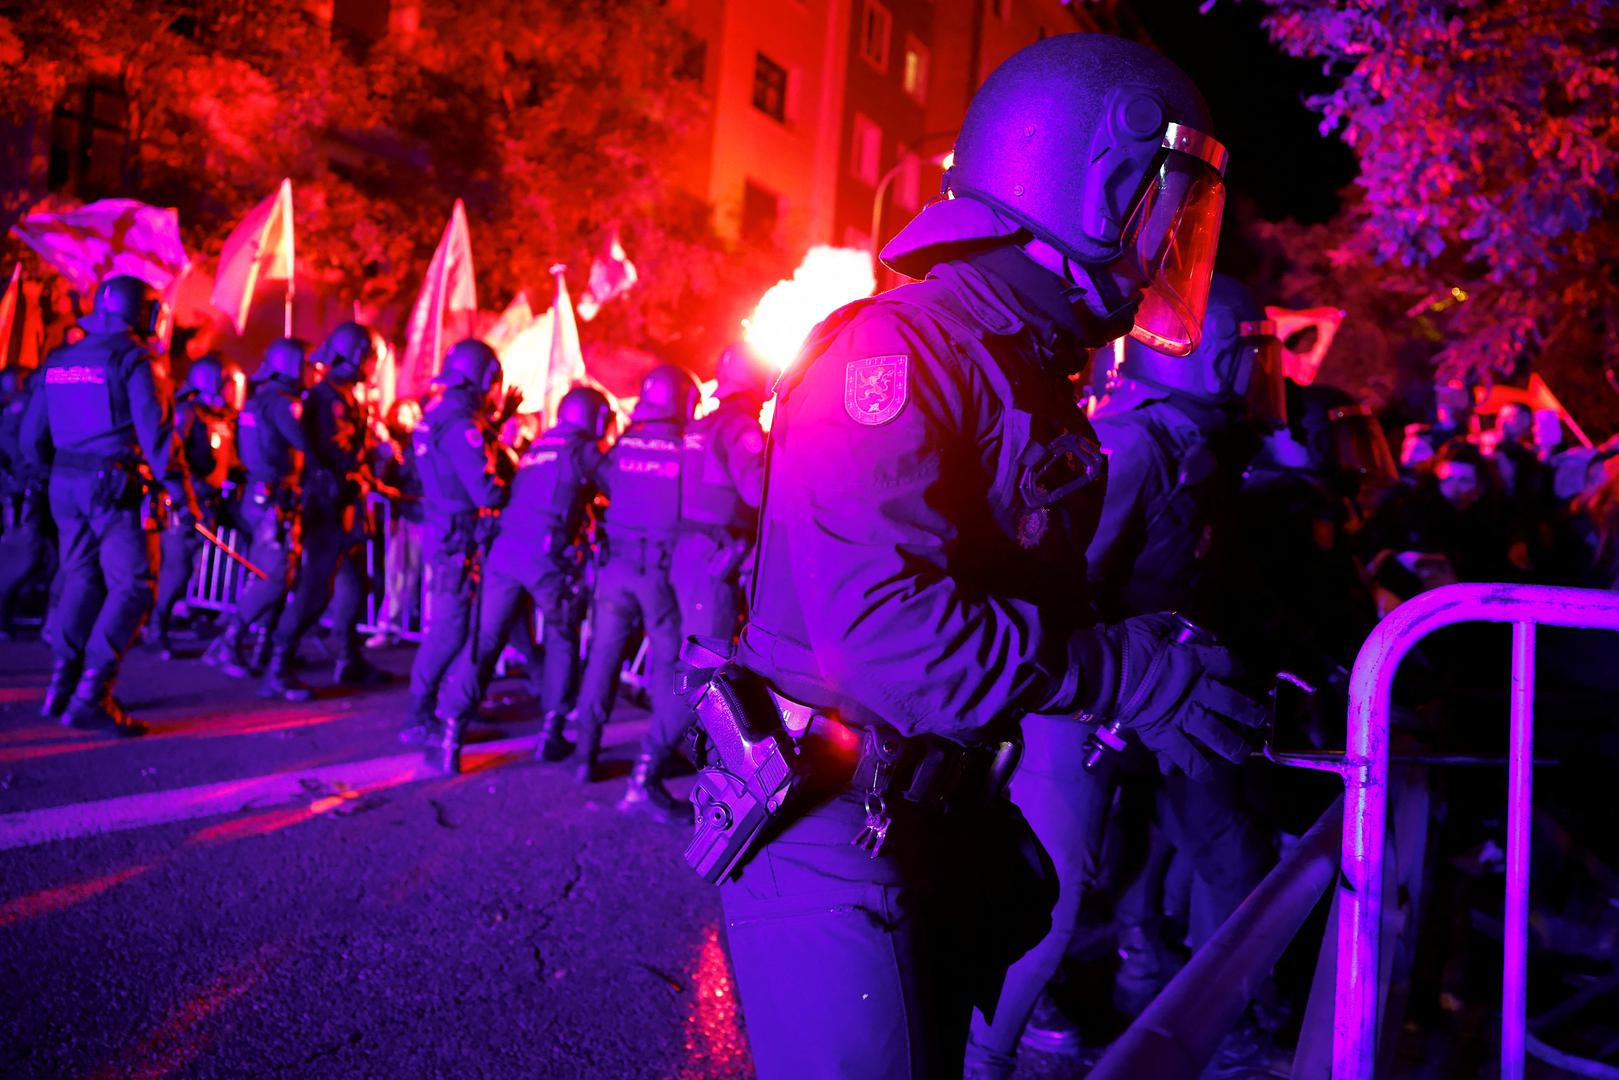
x=1181, y=1030
x=216, y=580
x=1365, y=772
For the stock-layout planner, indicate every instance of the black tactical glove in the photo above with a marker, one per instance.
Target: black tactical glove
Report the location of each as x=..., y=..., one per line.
x=1171, y=694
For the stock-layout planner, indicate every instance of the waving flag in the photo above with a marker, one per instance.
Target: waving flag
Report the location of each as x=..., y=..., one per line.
x=518, y=316
x=113, y=236
x=259, y=248
x=611, y=274
x=1302, y=364
x=565, y=367
x=445, y=312
x=10, y=315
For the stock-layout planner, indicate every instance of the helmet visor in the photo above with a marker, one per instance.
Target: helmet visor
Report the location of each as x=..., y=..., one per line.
x=1267, y=389
x=1176, y=229
x=1359, y=447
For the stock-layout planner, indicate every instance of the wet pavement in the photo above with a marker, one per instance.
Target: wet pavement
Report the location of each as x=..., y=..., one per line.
x=357, y=916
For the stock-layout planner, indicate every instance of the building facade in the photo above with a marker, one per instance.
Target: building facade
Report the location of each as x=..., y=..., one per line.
x=829, y=119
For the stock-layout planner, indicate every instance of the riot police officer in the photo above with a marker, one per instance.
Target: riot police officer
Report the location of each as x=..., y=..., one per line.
x=916, y=589
x=200, y=417
x=332, y=519
x=101, y=417
x=25, y=522
x=270, y=436
x=641, y=479
x=721, y=483
x=539, y=552
x=1178, y=437
x=453, y=446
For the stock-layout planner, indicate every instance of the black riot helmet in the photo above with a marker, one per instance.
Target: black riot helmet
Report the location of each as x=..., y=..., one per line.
x=1343, y=436
x=668, y=392
x=742, y=372
x=285, y=359
x=470, y=363
x=346, y=351
x=1238, y=358
x=585, y=408
x=1103, y=149
x=205, y=381
x=128, y=303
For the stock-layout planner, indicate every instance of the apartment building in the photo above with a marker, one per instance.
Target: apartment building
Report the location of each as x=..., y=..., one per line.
x=829, y=118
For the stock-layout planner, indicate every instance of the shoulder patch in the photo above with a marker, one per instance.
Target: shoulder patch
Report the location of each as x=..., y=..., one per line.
x=474, y=439
x=753, y=441
x=875, y=388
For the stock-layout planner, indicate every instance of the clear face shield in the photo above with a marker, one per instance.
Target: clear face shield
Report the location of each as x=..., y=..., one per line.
x=1266, y=392
x=1173, y=232
x=1359, y=447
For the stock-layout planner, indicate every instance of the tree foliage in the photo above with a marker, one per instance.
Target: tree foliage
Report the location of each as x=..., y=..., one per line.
x=555, y=121
x=1489, y=164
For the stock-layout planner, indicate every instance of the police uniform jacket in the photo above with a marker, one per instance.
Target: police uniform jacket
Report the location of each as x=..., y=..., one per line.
x=931, y=488
x=641, y=479
x=1171, y=487
x=101, y=403
x=269, y=431
x=453, y=449
x=722, y=469
x=554, y=485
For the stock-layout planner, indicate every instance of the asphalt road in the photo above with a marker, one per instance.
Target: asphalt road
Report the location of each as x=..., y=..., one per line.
x=352, y=916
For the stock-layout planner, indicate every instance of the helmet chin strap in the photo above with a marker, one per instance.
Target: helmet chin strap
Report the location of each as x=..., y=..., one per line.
x=1089, y=290
x=1094, y=290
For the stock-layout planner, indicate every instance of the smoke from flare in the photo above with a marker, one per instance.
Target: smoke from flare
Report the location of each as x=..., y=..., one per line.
x=827, y=279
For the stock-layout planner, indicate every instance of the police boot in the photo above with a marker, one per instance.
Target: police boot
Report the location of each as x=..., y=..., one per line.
x=1145, y=967
x=645, y=793
x=355, y=670
x=590, y=742
x=225, y=652
x=93, y=707
x=444, y=748
x=552, y=746
x=279, y=681
x=423, y=724
x=64, y=677
x=1051, y=1030
x=258, y=653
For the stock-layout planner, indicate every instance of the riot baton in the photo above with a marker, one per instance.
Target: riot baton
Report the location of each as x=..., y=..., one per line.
x=213, y=539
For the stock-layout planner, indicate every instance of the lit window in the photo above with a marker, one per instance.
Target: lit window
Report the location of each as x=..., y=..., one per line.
x=770, y=88
x=865, y=153
x=876, y=27
x=916, y=69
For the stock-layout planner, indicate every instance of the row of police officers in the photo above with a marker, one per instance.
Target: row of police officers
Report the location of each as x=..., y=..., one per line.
x=948, y=565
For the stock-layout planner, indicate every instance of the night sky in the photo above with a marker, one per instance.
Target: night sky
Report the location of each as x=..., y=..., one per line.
x=1279, y=160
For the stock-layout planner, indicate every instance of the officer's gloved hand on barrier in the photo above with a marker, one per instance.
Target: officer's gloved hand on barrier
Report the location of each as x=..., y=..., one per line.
x=1172, y=695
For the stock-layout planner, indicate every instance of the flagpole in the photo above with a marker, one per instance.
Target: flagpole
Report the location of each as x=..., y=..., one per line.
x=292, y=260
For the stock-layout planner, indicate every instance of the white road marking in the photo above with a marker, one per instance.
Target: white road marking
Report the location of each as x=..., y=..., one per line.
x=325, y=787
